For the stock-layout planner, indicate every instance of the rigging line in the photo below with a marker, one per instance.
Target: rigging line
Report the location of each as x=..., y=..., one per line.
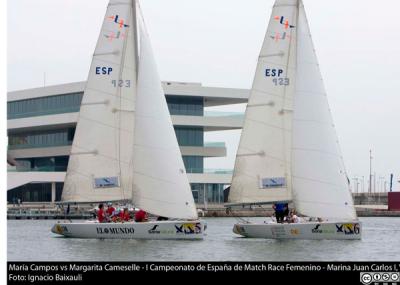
x=288, y=67
x=162, y=201
x=349, y=205
x=289, y=140
x=269, y=93
x=319, y=181
x=155, y=178
x=119, y=92
x=316, y=150
x=107, y=93
x=106, y=125
x=102, y=155
x=266, y=154
x=271, y=104
x=136, y=42
x=260, y=153
x=269, y=125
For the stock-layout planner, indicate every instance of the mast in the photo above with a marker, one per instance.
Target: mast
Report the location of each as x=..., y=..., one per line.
x=135, y=37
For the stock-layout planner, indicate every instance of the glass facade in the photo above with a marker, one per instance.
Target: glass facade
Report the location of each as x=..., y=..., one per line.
x=41, y=138
x=193, y=164
x=208, y=193
x=215, y=193
x=189, y=136
x=65, y=103
x=34, y=192
x=56, y=163
x=189, y=106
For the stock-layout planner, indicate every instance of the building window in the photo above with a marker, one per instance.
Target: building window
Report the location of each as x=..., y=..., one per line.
x=58, y=104
x=41, y=138
x=57, y=163
x=189, y=136
x=188, y=106
x=34, y=192
x=193, y=164
x=215, y=193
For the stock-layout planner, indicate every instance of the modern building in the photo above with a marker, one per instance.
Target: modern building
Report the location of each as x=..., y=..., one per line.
x=41, y=126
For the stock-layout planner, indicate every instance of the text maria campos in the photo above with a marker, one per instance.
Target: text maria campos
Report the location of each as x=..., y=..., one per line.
x=73, y=267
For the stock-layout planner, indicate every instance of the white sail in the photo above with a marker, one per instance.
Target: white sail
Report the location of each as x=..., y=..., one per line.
x=161, y=185
x=100, y=165
x=320, y=184
x=262, y=167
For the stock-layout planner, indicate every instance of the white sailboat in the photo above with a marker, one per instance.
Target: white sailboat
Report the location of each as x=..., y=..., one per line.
x=288, y=148
x=125, y=148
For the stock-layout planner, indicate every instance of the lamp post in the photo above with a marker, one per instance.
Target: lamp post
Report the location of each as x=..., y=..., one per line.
x=370, y=172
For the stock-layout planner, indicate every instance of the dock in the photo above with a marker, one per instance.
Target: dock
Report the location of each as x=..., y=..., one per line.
x=50, y=211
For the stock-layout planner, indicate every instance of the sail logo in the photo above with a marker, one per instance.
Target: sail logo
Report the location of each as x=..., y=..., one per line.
x=273, y=72
x=116, y=20
x=112, y=36
x=154, y=230
x=273, y=182
x=319, y=229
x=104, y=182
x=277, y=37
x=115, y=230
x=284, y=22
x=348, y=229
x=61, y=229
x=103, y=70
x=188, y=228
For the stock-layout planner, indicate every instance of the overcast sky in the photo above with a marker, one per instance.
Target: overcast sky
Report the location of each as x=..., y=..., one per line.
x=217, y=42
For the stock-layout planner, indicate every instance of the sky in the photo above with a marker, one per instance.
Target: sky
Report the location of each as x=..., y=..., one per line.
x=217, y=42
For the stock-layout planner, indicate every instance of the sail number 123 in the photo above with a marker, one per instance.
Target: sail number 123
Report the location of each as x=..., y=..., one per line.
x=121, y=83
x=281, y=81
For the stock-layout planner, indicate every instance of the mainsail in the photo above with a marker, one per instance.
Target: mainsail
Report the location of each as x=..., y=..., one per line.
x=320, y=183
x=100, y=164
x=262, y=167
x=125, y=145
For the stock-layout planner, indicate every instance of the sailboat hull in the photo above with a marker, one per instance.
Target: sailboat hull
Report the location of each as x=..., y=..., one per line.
x=186, y=230
x=308, y=230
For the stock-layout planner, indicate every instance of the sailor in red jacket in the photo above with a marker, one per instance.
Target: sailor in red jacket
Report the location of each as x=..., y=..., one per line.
x=124, y=215
x=141, y=216
x=100, y=214
x=110, y=210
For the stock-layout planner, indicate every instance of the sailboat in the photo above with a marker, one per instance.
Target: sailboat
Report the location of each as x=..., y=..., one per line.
x=125, y=148
x=288, y=150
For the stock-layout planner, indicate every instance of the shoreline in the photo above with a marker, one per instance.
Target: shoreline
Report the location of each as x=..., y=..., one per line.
x=43, y=214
